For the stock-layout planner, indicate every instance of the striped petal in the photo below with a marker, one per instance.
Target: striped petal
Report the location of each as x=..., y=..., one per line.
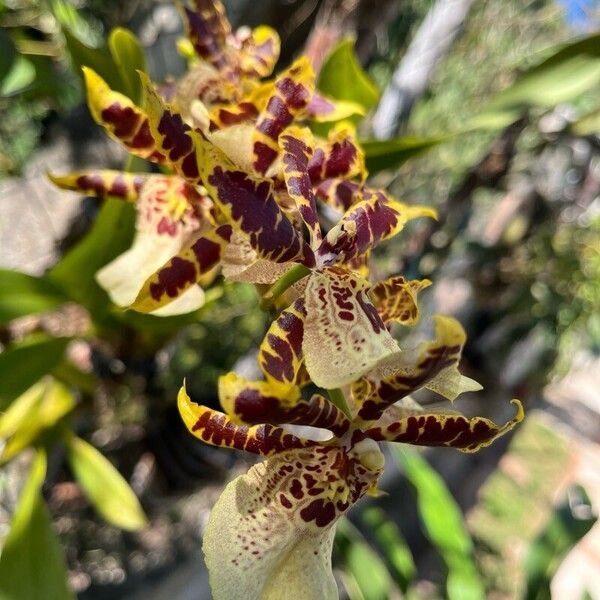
x=292, y=92
x=297, y=146
x=339, y=156
x=424, y=427
x=102, y=183
x=217, y=429
x=183, y=271
x=171, y=134
x=249, y=205
x=207, y=28
x=365, y=224
x=344, y=337
x=433, y=366
x=280, y=355
x=253, y=402
x=121, y=118
x=270, y=534
x=259, y=52
x=395, y=299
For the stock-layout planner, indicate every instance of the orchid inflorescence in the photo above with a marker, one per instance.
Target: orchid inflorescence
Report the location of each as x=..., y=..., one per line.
x=246, y=179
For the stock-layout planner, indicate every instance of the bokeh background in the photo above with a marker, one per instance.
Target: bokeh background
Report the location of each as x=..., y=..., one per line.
x=515, y=256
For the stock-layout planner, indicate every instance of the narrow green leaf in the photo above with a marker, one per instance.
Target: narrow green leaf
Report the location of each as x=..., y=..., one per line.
x=22, y=295
x=386, y=154
x=30, y=415
x=566, y=526
x=343, y=78
x=393, y=545
x=19, y=78
x=21, y=365
x=32, y=565
x=443, y=522
x=568, y=72
x=129, y=58
x=104, y=486
x=367, y=569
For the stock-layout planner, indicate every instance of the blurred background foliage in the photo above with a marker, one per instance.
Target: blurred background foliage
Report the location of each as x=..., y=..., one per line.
x=504, y=142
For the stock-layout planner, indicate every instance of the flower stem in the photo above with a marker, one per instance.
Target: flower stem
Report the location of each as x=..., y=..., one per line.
x=282, y=284
x=337, y=397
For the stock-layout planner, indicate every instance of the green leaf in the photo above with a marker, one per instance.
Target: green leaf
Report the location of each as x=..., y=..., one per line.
x=343, y=78
x=30, y=415
x=32, y=565
x=386, y=154
x=22, y=295
x=19, y=78
x=444, y=525
x=571, y=70
x=104, y=486
x=40, y=355
x=393, y=545
x=111, y=234
x=566, y=526
x=367, y=569
x=129, y=58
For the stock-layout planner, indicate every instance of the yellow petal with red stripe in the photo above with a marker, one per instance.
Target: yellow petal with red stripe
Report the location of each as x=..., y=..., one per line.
x=434, y=366
x=426, y=427
x=395, y=299
x=121, y=118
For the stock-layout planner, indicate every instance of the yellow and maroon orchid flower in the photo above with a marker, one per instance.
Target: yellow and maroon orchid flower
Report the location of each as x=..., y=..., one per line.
x=271, y=530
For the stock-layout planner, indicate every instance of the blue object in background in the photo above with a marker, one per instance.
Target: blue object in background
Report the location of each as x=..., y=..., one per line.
x=578, y=12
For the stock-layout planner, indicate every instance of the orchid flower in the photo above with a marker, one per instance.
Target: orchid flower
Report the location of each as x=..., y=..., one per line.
x=270, y=533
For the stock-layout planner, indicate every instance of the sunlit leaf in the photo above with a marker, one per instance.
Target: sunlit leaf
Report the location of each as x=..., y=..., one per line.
x=365, y=566
x=343, y=78
x=444, y=526
x=32, y=565
x=30, y=415
x=129, y=58
x=566, y=526
x=41, y=355
x=19, y=78
x=588, y=124
x=570, y=71
x=393, y=545
x=22, y=294
x=388, y=154
x=104, y=486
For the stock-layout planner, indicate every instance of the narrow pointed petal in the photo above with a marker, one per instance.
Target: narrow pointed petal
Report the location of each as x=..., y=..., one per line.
x=264, y=402
x=207, y=29
x=339, y=156
x=344, y=337
x=171, y=134
x=297, y=145
x=270, y=534
x=430, y=428
x=280, y=355
x=102, y=183
x=396, y=299
x=249, y=205
x=184, y=270
x=216, y=428
x=293, y=90
x=367, y=223
x=433, y=366
x=259, y=52
x=121, y=118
